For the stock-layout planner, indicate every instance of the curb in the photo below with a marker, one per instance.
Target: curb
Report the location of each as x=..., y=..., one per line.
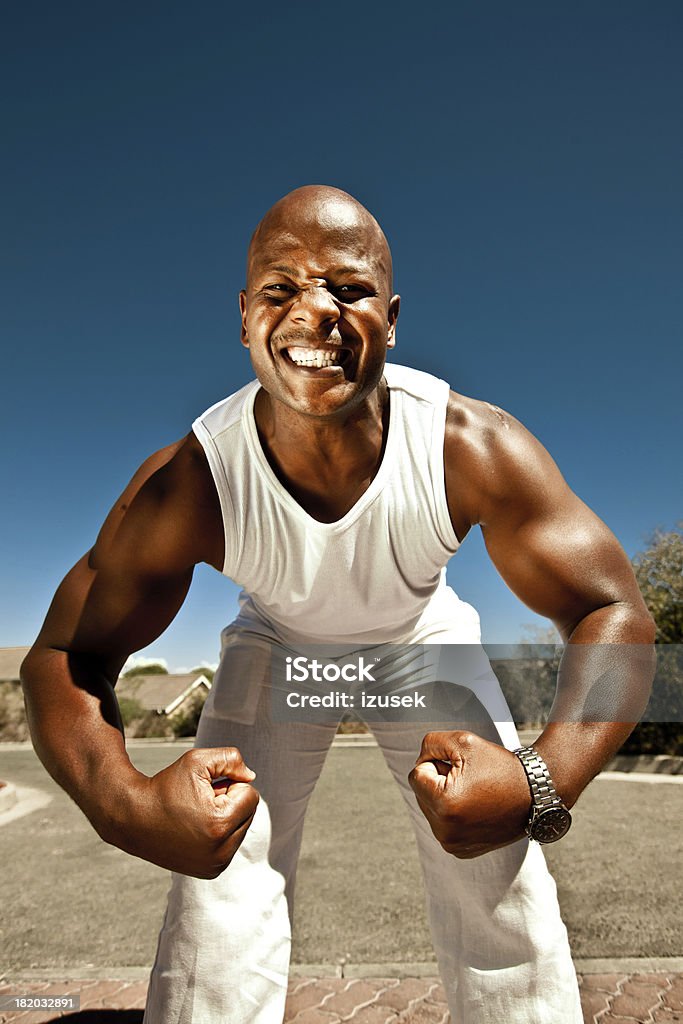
x=354, y=739
x=8, y=796
x=650, y=764
x=642, y=764
x=418, y=969
x=26, y=800
x=645, y=764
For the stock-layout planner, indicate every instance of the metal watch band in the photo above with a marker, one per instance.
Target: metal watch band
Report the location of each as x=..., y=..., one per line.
x=540, y=783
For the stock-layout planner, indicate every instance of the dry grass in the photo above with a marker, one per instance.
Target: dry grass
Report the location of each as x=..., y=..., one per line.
x=13, y=724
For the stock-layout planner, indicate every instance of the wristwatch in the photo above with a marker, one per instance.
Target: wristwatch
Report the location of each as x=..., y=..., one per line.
x=549, y=819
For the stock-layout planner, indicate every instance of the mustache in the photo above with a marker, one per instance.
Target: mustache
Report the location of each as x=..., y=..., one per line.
x=304, y=334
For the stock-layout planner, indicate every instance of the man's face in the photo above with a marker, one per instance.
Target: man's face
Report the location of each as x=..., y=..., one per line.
x=317, y=314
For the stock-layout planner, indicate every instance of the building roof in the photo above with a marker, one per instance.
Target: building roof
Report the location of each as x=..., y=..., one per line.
x=10, y=660
x=160, y=692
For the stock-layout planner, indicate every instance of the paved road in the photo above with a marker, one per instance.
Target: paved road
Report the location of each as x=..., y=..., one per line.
x=70, y=900
x=606, y=999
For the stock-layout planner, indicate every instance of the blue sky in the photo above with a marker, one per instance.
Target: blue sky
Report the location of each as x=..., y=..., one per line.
x=525, y=161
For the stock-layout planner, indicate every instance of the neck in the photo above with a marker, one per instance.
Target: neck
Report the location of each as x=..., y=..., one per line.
x=325, y=463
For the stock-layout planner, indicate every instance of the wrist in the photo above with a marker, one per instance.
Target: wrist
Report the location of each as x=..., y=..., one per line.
x=113, y=803
x=549, y=818
x=564, y=763
x=576, y=752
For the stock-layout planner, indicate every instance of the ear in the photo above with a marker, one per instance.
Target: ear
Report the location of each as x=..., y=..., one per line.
x=394, y=306
x=243, y=313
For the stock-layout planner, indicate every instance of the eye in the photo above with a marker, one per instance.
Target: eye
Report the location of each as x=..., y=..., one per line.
x=278, y=291
x=351, y=292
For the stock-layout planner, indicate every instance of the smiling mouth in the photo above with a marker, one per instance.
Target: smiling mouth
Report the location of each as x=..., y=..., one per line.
x=317, y=358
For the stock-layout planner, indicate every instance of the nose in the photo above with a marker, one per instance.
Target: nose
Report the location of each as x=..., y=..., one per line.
x=315, y=307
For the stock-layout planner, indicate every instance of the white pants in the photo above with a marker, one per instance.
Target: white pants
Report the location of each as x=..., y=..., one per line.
x=223, y=951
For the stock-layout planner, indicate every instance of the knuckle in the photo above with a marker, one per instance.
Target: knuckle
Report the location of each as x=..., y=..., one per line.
x=242, y=793
x=193, y=756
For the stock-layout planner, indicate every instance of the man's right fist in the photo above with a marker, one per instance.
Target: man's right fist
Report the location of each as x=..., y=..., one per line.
x=179, y=820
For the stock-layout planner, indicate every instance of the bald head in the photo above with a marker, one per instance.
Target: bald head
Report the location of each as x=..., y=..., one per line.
x=316, y=208
x=319, y=278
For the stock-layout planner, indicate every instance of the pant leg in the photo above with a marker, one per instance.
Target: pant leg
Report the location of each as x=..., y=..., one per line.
x=501, y=945
x=224, y=946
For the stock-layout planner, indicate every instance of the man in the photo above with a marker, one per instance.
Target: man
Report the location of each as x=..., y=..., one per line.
x=334, y=489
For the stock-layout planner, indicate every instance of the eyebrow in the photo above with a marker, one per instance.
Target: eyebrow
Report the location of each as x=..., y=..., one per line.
x=354, y=270
x=282, y=268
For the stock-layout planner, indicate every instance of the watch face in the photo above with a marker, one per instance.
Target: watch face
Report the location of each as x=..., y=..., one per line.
x=551, y=825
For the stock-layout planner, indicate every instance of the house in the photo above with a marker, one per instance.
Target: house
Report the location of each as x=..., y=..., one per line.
x=13, y=724
x=10, y=660
x=167, y=694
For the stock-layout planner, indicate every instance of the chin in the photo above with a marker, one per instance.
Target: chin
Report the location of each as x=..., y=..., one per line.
x=323, y=407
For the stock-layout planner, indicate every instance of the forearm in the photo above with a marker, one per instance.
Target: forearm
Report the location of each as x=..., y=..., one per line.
x=604, y=682
x=77, y=732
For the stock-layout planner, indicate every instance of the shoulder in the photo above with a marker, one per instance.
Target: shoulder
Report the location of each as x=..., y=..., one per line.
x=172, y=499
x=225, y=414
x=484, y=435
x=177, y=472
x=491, y=458
x=417, y=383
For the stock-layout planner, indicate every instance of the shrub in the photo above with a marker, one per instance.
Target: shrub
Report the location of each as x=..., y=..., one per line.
x=185, y=722
x=154, y=724
x=131, y=710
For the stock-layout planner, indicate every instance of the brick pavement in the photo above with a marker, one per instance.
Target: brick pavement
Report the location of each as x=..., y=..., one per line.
x=653, y=998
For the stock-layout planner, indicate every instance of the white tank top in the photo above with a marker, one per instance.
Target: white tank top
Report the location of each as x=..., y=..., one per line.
x=377, y=575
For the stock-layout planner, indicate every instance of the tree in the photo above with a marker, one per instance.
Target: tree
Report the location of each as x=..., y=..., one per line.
x=659, y=571
x=185, y=722
x=154, y=668
x=528, y=674
x=204, y=670
x=131, y=710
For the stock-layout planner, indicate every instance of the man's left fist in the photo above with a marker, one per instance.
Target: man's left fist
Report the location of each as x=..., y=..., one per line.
x=479, y=800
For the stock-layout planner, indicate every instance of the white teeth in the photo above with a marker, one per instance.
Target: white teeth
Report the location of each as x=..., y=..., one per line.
x=313, y=357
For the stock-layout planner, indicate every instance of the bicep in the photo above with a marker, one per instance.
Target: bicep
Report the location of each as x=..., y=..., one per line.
x=553, y=552
x=129, y=587
x=110, y=612
x=562, y=564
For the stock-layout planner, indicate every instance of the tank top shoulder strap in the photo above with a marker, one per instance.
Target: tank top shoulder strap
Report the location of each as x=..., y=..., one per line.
x=425, y=403
x=219, y=431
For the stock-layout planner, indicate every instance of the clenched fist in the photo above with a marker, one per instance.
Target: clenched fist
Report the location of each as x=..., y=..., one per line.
x=474, y=793
x=192, y=816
